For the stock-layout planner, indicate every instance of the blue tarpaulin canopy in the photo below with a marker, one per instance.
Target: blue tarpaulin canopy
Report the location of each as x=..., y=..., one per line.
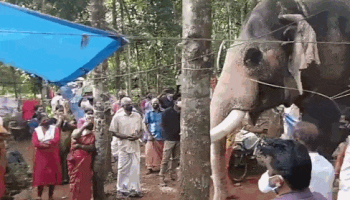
x=56, y=50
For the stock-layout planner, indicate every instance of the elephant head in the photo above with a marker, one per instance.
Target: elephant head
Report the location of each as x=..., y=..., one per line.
x=276, y=43
x=259, y=74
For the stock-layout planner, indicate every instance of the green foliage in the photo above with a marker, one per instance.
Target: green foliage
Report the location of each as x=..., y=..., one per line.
x=144, y=21
x=26, y=85
x=66, y=9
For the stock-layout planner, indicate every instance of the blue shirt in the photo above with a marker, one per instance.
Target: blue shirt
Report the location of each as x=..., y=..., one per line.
x=154, y=120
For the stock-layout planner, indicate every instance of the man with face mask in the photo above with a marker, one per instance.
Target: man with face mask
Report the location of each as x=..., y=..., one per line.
x=171, y=134
x=166, y=98
x=289, y=170
x=155, y=144
x=114, y=143
x=127, y=127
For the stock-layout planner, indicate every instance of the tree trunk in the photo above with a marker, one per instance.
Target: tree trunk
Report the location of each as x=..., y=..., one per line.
x=102, y=159
x=116, y=55
x=43, y=93
x=147, y=83
x=122, y=15
x=228, y=5
x=158, y=71
x=243, y=12
x=139, y=69
x=14, y=82
x=195, y=161
x=129, y=71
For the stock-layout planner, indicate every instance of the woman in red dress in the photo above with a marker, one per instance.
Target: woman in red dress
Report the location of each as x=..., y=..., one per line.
x=79, y=160
x=47, y=164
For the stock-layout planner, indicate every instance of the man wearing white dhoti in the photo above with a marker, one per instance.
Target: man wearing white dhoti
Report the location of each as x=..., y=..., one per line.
x=127, y=126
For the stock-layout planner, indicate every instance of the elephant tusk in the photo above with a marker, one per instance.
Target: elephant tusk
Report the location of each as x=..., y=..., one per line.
x=227, y=125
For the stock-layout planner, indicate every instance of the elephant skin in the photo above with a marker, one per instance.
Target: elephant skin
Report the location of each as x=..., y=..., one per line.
x=273, y=57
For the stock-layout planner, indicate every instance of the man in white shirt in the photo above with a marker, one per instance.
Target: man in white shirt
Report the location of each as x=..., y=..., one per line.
x=322, y=174
x=127, y=126
x=290, y=118
x=56, y=100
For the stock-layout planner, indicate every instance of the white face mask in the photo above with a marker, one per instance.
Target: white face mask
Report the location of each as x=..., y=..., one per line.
x=179, y=104
x=264, y=184
x=88, y=116
x=170, y=97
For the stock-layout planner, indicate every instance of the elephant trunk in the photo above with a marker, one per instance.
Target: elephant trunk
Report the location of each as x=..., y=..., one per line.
x=234, y=95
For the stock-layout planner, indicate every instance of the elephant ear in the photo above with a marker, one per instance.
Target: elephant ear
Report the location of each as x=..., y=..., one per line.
x=304, y=49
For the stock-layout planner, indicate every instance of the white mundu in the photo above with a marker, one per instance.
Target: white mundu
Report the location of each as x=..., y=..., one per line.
x=344, y=176
x=322, y=175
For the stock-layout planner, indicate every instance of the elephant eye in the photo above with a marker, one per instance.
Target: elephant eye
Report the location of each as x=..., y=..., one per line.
x=253, y=57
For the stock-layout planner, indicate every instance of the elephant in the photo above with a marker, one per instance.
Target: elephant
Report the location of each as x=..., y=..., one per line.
x=288, y=51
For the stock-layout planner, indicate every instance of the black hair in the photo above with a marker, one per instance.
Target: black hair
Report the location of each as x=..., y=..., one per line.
x=59, y=107
x=291, y=160
x=89, y=109
x=41, y=116
x=308, y=134
x=38, y=106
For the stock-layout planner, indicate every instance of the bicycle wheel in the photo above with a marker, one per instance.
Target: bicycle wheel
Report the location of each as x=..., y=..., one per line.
x=238, y=167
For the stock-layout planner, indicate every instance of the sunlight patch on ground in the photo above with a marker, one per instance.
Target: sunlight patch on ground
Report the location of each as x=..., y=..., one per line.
x=168, y=189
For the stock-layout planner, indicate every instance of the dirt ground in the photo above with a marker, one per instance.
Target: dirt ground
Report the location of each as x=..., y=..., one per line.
x=149, y=183
x=245, y=190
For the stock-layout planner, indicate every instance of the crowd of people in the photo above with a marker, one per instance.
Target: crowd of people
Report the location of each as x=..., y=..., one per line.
x=158, y=124
x=296, y=171
x=65, y=150
x=294, y=168
x=65, y=146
